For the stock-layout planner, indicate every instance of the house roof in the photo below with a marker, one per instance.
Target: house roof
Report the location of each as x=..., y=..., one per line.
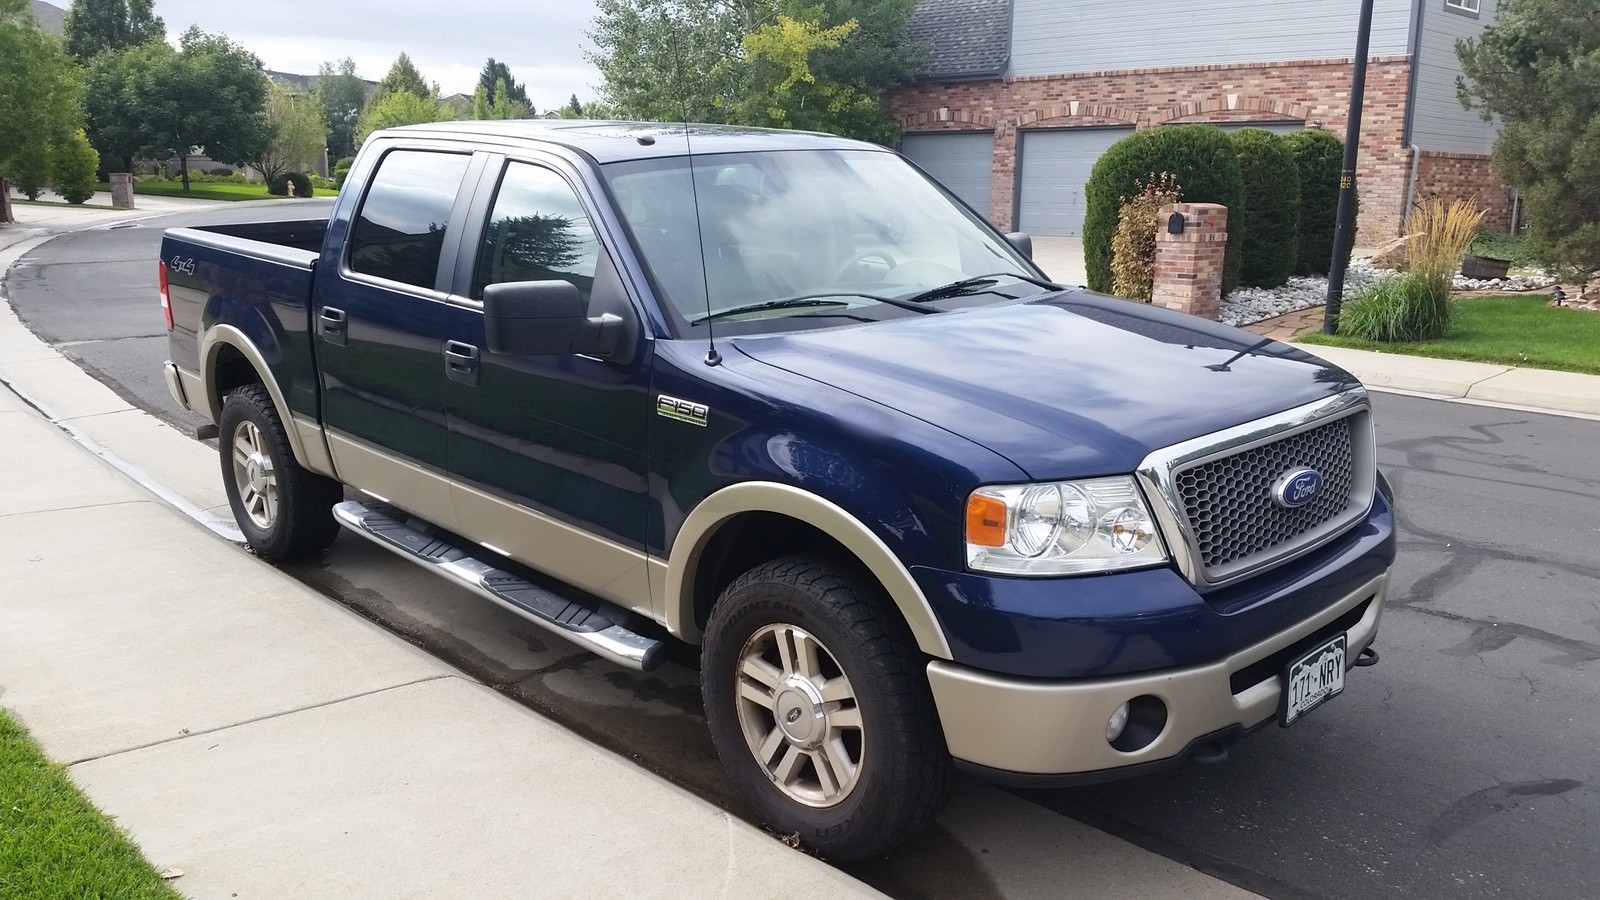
x=50, y=18
x=966, y=39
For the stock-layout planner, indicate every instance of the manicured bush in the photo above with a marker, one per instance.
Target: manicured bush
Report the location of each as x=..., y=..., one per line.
x=1271, y=209
x=341, y=170
x=1318, y=157
x=301, y=183
x=1399, y=309
x=219, y=171
x=1133, y=248
x=74, y=169
x=1199, y=156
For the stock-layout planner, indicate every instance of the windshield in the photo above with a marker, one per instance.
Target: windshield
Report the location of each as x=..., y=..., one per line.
x=803, y=238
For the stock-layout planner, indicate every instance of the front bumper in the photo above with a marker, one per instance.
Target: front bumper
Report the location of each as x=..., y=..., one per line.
x=1040, y=727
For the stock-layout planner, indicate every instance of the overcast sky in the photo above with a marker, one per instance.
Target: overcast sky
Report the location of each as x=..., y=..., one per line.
x=542, y=41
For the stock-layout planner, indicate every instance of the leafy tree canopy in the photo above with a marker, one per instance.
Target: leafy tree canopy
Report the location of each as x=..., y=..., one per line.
x=342, y=94
x=498, y=104
x=401, y=108
x=491, y=78
x=296, y=129
x=789, y=63
x=1538, y=68
x=94, y=26
x=41, y=97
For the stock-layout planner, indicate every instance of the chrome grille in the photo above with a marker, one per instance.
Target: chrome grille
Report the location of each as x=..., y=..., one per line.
x=1228, y=500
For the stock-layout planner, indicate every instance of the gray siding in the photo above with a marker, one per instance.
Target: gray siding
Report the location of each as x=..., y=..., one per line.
x=1055, y=36
x=1438, y=121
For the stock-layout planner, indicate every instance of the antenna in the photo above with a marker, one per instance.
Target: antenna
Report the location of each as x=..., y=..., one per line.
x=712, y=356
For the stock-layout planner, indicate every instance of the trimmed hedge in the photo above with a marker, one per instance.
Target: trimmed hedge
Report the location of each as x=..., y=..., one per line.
x=74, y=168
x=1318, y=158
x=1271, y=210
x=1202, y=158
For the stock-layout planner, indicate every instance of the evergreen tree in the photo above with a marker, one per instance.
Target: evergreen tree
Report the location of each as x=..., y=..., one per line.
x=574, y=106
x=403, y=76
x=496, y=80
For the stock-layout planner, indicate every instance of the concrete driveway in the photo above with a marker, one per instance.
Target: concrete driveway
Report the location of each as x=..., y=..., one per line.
x=1060, y=257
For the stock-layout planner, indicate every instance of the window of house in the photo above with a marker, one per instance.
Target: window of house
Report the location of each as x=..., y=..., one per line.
x=1470, y=7
x=400, y=232
x=537, y=231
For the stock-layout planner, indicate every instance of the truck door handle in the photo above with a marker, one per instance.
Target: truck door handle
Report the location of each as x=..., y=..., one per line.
x=461, y=362
x=333, y=325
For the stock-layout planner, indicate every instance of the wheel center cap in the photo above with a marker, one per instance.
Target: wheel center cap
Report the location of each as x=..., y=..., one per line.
x=799, y=712
x=256, y=471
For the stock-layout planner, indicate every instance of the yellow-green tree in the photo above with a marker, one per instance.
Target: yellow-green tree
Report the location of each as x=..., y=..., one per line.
x=41, y=100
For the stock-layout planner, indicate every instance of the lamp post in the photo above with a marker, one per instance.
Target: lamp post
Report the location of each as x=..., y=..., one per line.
x=1347, y=176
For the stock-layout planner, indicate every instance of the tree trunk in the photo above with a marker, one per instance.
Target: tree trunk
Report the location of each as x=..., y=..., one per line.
x=183, y=166
x=5, y=201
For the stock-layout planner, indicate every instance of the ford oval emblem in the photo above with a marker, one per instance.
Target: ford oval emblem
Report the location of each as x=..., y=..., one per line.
x=1297, y=487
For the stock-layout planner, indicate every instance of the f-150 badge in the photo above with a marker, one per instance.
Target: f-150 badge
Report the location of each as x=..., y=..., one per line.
x=683, y=410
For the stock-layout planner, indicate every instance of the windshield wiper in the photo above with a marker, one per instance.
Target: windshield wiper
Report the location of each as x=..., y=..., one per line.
x=808, y=300
x=973, y=285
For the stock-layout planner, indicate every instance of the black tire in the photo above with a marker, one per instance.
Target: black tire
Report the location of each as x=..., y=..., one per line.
x=300, y=522
x=904, y=772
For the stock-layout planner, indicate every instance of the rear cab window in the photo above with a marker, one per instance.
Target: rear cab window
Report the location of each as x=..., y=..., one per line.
x=400, y=231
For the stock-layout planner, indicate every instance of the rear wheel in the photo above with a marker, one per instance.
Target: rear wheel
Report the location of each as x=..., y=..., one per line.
x=284, y=510
x=819, y=709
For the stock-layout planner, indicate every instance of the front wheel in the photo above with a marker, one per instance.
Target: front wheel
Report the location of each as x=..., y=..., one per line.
x=820, y=711
x=284, y=510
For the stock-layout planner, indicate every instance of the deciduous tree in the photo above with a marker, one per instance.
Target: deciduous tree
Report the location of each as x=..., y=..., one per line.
x=94, y=26
x=41, y=98
x=401, y=108
x=1538, y=68
x=342, y=94
x=296, y=130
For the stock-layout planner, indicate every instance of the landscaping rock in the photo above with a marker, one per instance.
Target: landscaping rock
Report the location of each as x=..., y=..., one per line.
x=1248, y=305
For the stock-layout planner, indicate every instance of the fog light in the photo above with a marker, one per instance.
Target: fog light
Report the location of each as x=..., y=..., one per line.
x=1116, y=724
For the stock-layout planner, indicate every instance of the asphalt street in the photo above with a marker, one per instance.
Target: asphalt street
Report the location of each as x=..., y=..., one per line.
x=1461, y=766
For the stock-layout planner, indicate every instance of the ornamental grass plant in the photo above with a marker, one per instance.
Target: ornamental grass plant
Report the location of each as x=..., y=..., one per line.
x=1416, y=306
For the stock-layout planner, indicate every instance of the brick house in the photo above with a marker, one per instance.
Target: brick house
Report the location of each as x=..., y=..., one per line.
x=1024, y=95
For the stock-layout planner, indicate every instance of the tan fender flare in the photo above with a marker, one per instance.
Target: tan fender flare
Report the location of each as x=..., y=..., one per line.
x=305, y=438
x=764, y=496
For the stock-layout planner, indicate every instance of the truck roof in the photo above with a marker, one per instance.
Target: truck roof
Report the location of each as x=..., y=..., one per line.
x=618, y=141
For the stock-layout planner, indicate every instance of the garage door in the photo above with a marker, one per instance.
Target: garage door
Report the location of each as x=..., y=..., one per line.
x=961, y=162
x=1055, y=167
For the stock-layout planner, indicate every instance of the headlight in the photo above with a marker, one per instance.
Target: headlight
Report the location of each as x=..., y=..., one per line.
x=1061, y=528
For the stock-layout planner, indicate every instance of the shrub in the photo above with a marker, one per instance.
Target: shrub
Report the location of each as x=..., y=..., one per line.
x=1199, y=156
x=341, y=170
x=278, y=185
x=30, y=171
x=219, y=171
x=1441, y=235
x=301, y=183
x=1399, y=309
x=74, y=169
x=1318, y=157
x=1133, y=248
x=1271, y=209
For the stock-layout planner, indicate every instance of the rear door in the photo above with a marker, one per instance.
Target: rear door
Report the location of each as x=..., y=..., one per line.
x=548, y=452
x=381, y=321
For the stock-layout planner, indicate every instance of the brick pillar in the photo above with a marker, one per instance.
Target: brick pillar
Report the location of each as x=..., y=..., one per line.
x=1188, y=267
x=122, y=190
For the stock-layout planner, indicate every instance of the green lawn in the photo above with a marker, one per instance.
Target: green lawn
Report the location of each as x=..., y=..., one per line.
x=53, y=842
x=212, y=190
x=1514, y=331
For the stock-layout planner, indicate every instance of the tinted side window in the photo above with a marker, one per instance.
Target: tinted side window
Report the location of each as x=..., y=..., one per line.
x=537, y=231
x=400, y=230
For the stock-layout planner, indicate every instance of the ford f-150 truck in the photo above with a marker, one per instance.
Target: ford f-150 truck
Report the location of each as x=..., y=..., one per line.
x=783, y=397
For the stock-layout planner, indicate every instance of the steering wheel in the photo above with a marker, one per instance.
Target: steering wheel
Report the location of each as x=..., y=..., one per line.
x=846, y=268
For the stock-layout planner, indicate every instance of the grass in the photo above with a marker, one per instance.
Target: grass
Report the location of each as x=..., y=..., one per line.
x=16, y=202
x=1513, y=331
x=212, y=190
x=53, y=842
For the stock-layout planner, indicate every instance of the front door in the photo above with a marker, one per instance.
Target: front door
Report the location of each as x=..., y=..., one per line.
x=380, y=318
x=548, y=452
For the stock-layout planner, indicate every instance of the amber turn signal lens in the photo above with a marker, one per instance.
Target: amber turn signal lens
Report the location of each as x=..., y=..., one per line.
x=986, y=521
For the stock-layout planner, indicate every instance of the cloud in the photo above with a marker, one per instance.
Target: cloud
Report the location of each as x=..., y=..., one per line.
x=542, y=42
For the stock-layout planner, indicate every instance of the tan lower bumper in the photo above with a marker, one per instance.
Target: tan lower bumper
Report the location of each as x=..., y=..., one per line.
x=1044, y=727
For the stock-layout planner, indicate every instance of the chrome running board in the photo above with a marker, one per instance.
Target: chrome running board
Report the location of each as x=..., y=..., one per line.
x=594, y=625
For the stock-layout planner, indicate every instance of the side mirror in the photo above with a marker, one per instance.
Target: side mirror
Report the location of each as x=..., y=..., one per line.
x=1022, y=242
x=544, y=318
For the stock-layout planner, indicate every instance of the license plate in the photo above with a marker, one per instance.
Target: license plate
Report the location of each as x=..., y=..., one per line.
x=1313, y=679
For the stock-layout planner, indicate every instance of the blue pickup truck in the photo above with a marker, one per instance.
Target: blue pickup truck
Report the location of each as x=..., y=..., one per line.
x=783, y=397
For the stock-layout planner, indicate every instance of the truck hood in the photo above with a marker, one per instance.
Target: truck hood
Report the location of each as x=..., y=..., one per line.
x=1072, y=385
